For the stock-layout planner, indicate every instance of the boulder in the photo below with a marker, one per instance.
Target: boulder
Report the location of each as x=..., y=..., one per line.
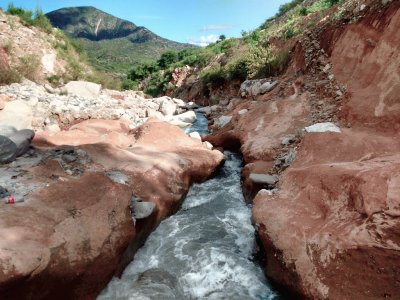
x=180, y=103
x=167, y=108
x=118, y=177
x=268, y=86
x=179, y=123
x=6, y=130
x=48, y=61
x=141, y=209
x=263, y=179
x=195, y=135
x=188, y=117
x=243, y=111
x=83, y=89
x=8, y=150
x=223, y=120
x=150, y=113
x=3, y=100
x=17, y=114
x=22, y=139
x=323, y=127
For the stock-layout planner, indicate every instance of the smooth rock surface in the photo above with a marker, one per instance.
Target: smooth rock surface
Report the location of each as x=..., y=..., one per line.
x=83, y=89
x=323, y=127
x=8, y=150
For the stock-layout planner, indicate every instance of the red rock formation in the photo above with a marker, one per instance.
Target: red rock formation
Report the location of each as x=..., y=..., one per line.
x=332, y=230
x=74, y=232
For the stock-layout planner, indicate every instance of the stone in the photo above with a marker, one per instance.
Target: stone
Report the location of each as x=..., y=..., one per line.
x=141, y=209
x=150, y=113
x=242, y=112
x=118, y=177
x=288, y=139
x=180, y=103
x=52, y=128
x=323, y=127
x=204, y=110
x=17, y=114
x=326, y=68
x=195, y=135
x=8, y=150
x=167, y=108
x=48, y=61
x=6, y=130
x=268, y=86
x=179, y=123
x=83, y=89
x=263, y=179
x=69, y=158
x=22, y=139
x=208, y=145
x=188, y=117
x=223, y=120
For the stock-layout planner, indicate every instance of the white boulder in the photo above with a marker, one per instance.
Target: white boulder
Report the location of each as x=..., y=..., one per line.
x=83, y=89
x=323, y=127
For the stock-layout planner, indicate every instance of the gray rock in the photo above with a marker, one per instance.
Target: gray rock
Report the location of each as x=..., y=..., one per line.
x=6, y=130
x=268, y=86
x=223, y=120
x=288, y=139
x=69, y=158
x=141, y=209
x=22, y=139
x=187, y=117
x=263, y=179
x=8, y=150
x=118, y=177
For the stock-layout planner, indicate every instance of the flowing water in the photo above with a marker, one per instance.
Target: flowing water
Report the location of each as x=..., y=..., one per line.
x=204, y=251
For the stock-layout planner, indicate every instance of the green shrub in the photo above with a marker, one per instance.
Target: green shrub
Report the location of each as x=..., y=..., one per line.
x=214, y=75
x=142, y=71
x=167, y=59
x=158, y=83
x=128, y=84
x=37, y=18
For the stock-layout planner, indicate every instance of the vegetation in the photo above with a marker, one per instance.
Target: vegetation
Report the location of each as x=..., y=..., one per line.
x=36, y=18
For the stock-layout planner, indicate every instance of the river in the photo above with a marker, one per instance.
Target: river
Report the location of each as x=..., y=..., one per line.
x=204, y=251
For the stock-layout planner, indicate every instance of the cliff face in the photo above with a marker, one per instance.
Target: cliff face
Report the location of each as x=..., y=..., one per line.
x=330, y=226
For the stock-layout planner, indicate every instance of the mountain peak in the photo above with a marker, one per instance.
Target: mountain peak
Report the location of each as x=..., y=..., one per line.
x=90, y=23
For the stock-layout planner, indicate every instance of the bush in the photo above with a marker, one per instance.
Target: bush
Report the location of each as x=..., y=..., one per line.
x=158, y=83
x=29, y=66
x=167, y=59
x=8, y=75
x=128, y=84
x=214, y=75
x=37, y=19
x=142, y=71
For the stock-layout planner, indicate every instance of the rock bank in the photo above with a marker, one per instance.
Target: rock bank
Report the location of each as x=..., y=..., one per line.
x=75, y=229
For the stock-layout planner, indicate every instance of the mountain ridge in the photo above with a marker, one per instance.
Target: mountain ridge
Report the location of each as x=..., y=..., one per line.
x=98, y=31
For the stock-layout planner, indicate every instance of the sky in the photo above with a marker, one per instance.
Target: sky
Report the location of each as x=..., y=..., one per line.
x=188, y=21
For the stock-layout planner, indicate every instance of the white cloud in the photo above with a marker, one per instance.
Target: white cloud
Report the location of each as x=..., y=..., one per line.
x=204, y=40
x=215, y=27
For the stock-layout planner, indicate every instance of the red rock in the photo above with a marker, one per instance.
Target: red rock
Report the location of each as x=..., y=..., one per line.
x=70, y=237
x=336, y=213
x=3, y=100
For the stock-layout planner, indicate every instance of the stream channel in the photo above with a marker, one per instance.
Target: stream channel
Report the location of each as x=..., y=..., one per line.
x=204, y=251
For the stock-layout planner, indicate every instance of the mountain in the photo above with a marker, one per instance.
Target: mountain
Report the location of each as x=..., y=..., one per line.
x=112, y=44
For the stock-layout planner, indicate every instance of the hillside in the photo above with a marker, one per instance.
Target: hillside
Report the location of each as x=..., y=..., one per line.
x=113, y=44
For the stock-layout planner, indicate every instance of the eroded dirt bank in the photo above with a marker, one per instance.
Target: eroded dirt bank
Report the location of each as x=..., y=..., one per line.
x=75, y=231
x=330, y=227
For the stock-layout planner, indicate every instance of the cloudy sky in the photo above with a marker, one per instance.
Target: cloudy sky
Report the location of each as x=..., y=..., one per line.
x=195, y=21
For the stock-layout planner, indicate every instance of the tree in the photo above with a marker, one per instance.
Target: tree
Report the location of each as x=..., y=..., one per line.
x=222, y=37
x=167, y=59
